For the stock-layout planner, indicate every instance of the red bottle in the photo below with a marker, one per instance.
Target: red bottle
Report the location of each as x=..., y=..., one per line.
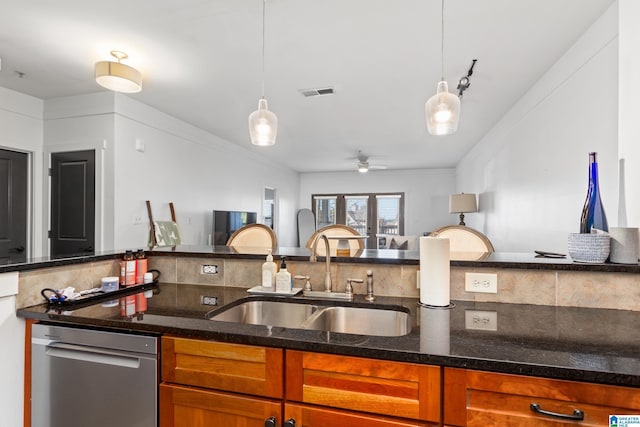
x=141, y=266
x=129, y=268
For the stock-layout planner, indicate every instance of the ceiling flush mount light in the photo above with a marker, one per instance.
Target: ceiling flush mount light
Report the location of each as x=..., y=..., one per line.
x=263, y=124
x=117, y=76
x=462, y=203
x=442, y=110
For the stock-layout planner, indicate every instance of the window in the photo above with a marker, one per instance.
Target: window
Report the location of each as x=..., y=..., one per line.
x=372, y=214
x=324, y=209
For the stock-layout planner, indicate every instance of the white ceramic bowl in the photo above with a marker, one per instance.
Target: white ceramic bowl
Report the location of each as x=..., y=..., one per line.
x=592, y=248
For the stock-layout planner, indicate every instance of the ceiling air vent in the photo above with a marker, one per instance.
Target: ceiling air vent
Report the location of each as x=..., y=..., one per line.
x=317, y=91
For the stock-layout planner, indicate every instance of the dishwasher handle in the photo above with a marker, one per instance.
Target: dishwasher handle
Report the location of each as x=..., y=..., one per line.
x=92, y=355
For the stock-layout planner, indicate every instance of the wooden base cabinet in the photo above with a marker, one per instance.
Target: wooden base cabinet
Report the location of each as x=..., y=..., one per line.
x=390, y=389
x=312, y=416
x=211, y=384
x=484, y=399
x=223, y=366
x=193, y=407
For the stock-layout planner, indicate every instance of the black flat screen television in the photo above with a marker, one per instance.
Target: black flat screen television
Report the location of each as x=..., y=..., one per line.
x=226, y=222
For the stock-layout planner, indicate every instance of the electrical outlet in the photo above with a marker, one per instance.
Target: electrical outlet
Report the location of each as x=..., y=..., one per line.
x=481, y=320
x=481, y=282
x=205, y=300
x=208, y=269
x=137, y=220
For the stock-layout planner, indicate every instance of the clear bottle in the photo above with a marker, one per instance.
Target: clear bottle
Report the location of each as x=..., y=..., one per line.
x=593, y=215
x=343, y=248
x=269, y=272
x=283, y=278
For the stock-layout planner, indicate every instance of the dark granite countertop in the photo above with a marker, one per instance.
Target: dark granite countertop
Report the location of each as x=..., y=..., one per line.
x=512, y=260
x=580, y=344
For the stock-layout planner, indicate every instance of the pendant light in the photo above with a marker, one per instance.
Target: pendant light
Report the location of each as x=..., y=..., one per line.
x=442, y=110
x=263, y=124
x=117, y=76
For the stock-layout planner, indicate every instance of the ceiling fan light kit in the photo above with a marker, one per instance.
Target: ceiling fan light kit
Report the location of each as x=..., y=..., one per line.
x=117, y=76
x=263, y=124
x=442, y=110
x=363, y=166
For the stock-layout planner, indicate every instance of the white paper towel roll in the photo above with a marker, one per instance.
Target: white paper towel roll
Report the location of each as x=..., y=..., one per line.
x=624, y=245
x=434, y=271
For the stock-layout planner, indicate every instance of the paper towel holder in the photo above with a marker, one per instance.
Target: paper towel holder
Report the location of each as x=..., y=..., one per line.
x=437, y=307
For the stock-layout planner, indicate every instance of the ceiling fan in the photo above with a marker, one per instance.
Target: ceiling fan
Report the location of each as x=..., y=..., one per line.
x=362, y=162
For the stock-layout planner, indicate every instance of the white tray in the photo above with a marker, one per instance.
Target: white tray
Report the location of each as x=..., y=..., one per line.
x=259, y=290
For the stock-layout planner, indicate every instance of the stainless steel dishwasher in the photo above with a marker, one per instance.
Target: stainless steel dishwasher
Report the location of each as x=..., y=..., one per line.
x=82, y=377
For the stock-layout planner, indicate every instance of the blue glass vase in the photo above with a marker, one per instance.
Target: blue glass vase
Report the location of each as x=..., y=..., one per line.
x=593, y=215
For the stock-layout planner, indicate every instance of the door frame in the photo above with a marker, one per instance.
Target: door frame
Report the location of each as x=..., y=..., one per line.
x=30, y=219
x=101, y=232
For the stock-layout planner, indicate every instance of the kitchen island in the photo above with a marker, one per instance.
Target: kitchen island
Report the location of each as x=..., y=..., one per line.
x=552, y=320
x=594, y=345
x=580, y=345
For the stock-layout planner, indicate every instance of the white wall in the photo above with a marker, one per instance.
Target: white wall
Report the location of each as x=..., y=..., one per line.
x=195, y=170
x=426, y=192
x=84, y=122
x=531, y=169
x=629, y=107
x=21, y=130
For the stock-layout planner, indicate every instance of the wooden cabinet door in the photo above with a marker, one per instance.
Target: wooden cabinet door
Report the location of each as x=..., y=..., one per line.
x=313, y=416
x=223, y=366
x=476, y=398
x=182, y=406
x=396, y=389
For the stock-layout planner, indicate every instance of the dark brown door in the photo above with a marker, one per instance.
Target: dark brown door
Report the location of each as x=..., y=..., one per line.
x=13, y=206
x=72, y=203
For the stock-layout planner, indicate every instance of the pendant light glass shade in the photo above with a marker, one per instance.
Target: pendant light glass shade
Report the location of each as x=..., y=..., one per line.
x=442, y=111
x=263, y=125
x=117, y=76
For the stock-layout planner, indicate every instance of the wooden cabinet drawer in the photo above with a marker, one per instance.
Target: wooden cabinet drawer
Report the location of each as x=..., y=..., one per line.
x=475, y=398
x=223, y=366
x=182, y=406
x=313, y=416
x=498, y=409
x=396, y=389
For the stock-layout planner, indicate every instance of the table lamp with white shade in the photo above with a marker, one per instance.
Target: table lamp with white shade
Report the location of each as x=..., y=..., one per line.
x=462, y=203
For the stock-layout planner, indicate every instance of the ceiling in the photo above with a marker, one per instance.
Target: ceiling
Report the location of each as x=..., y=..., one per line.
x=201, y=62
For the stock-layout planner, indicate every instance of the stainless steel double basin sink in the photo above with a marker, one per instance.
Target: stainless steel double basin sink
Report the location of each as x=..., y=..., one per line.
x=375, y=320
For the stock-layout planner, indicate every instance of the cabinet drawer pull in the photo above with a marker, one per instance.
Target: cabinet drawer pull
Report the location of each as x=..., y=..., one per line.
x=290, y=423
x=577, y=415
x=270, y=422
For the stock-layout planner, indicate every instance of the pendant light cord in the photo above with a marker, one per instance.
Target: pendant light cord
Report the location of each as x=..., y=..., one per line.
x=264, y=2
x=442, y=38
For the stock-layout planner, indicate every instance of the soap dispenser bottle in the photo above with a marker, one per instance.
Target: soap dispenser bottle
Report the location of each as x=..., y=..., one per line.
x=283, y=279
x=269, y=272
